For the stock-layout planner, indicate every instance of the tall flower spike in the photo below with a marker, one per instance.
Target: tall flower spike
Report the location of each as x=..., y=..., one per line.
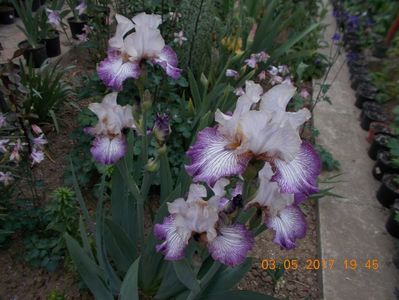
x=127, y=53
x=110, y=144
x=228, y=244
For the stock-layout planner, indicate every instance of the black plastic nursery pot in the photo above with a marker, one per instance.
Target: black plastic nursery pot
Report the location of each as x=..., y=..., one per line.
x=365, y=92
x=6, y=14
x=377, y=128
x=53, y=45
x=371, y=115
x=384, y=165
x=392, y=225
x=38, y=55
x=380, y=143
x=76, y=27
x=357, y=79
x=388, y=191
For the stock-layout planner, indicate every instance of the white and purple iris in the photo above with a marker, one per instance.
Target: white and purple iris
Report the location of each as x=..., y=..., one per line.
x=125, y=54
x=270, y=134
x=110, y=144
x=200, y=219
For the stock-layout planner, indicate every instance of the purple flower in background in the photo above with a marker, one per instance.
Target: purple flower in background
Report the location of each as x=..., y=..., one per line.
x=37, y=156
x=251, y=62
x=304, y=93
x=161, y=128
x=6, y=178
x=40, y=140
x=262, y=75
x=231, y=73
x=3, y=144
x=53, y=17
x=336, y=37
x=36, y=129
x=81, y=8
x=3, y=120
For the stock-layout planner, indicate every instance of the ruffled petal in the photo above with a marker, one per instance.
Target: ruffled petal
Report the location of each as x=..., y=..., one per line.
x=289, y=224
x=113, y=71
x=231, y=245
x=174, y=245
x=168, y=61
x=123, y=27
x=211, y=158
x=106, y=150
x=277, y=98
x=299, y=175
x=147, y=20
x=269, y=194
x=264, y=134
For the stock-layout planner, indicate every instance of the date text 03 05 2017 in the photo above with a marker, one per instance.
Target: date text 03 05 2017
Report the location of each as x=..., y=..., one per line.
x=371, y=264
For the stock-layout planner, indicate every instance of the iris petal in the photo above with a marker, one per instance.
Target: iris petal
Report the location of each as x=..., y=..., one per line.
x=289, y=224
x=174, y=245
x=231, y=245
x=113, y=71
x=211, y=158
x=106, y=150
x=299, y=175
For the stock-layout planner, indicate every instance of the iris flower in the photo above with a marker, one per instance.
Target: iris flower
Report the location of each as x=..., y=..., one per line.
x=53, y=17
x=269, y=134
x=110, y=144
x=195, y=217
x=126, y=54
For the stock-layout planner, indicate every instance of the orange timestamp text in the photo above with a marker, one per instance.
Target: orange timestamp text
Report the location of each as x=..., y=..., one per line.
x=371, y=264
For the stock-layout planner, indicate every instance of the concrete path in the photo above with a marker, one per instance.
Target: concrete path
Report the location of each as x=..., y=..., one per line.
x=354, y=227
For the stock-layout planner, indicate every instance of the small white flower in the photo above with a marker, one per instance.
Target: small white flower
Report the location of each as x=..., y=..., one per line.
x=179, y=37
x=6, y=178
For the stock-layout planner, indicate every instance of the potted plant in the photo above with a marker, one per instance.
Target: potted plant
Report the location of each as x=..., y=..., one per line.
x=376, y=128
x=389, y=190
x=6, y=13
x=386, y=164
x=392, y=225
x=79, y=19
x=380, y=143
x=32, y=48
x=371, y=112
x=365, y=92
x=50, y=20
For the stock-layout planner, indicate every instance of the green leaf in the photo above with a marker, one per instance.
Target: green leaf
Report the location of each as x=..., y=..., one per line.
x=88, y=269
x=129, y=288
x=122, y=250
x=166, y=176
x=186, y=275
x=170, y=285
x=283, y=49
x=194, y=90
x=227, y=277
